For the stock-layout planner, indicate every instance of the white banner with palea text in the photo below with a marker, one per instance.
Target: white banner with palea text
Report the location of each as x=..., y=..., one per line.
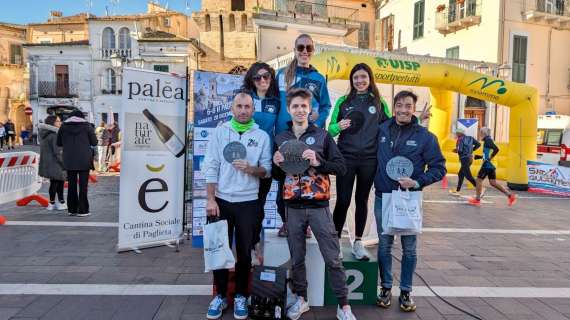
x=152, y=163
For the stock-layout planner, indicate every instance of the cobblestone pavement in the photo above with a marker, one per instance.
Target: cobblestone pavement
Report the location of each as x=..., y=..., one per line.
x=477, y=254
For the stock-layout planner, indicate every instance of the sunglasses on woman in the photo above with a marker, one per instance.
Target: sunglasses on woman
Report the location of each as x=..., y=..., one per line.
x=302, y=47
x=265, y=76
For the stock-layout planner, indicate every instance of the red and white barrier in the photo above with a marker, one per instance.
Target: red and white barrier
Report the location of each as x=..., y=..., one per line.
x=19, y=180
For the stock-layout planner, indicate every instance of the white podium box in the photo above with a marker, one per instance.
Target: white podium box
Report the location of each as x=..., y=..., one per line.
x=276, y=254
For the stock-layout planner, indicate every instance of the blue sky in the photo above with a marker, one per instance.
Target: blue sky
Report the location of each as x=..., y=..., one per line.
x=27, y=11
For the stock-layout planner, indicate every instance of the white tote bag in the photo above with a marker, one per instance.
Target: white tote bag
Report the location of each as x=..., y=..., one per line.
x=402, y=212
x=217, y=252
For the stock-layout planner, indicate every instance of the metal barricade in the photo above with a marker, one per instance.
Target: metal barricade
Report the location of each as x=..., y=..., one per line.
x=19, y=180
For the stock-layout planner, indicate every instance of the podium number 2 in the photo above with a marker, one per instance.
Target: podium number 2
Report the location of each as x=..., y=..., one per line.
x=355, y=284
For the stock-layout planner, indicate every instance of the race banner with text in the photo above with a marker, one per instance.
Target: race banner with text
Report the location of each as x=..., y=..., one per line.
x=152, y=163
x=213, y=96
x=549, y=179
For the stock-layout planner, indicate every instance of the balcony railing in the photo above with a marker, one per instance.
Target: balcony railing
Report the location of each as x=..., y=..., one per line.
x=121, y=52
x=57, y=89
x=555, y=12
x=461, y=15
x=313, y=12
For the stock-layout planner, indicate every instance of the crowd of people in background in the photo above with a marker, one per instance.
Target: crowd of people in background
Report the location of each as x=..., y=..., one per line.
x=68, y=152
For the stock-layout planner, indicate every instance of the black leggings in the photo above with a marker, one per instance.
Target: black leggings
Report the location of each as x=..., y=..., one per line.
x=364, y=174
x=56, y=187
x=465, y=172
x=241, y=217
x=264, y=187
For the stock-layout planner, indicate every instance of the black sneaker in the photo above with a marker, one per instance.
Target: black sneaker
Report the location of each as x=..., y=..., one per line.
x=384, y=299
x=406, y=302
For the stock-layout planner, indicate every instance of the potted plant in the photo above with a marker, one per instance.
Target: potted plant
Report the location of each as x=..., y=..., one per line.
x=441, y=7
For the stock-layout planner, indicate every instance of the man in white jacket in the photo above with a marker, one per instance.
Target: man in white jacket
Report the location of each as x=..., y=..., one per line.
x=232, y=177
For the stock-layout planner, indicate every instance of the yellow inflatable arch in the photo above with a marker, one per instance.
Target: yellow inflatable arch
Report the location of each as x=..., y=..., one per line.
x=443, y=80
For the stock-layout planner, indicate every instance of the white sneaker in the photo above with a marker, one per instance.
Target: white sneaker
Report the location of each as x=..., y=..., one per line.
x=298, y=308
x=50, y=207
x=86, y=214
x=344, y=314
x=359, y=252
x=61, y=206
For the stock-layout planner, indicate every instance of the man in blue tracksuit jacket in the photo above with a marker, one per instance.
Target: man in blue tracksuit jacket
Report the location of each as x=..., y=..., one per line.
x=307, y=78
x=403, y=136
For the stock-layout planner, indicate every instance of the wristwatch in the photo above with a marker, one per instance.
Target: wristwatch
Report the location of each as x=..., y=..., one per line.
x=417, y=186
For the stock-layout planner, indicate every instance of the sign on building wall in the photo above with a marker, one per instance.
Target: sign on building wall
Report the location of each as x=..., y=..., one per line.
x=213, y=96
x=152, y=163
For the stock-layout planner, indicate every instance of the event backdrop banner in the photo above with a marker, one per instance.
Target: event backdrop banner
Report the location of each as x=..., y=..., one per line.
x=152, y=164
x=213, y=96
x=549, y=179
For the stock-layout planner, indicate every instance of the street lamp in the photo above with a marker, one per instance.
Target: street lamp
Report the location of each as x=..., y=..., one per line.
x=504, y=71
x=116, y=61
x=139, y=63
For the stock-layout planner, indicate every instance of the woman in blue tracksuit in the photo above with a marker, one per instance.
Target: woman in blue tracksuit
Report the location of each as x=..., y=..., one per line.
x=300, y=74
x=260, y=82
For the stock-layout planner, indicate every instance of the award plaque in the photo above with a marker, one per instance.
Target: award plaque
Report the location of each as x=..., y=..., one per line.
x=234, y=151
x=292, y=151
x=399, y=167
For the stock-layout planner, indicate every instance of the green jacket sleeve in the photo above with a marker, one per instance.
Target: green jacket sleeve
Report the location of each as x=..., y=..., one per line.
x=334, y=128
x=385, y=108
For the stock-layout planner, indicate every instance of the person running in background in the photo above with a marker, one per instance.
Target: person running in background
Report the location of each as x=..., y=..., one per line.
x=260, y=82
x=51, y=163
x=358, y=146
x=300, y=74
x=307, y=203
x=488, y=170
x=464, y=148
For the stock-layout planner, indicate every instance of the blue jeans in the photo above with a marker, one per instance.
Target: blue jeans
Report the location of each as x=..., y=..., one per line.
x=385, y=242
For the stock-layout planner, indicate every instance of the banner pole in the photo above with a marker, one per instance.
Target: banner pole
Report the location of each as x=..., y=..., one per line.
x=185, y=211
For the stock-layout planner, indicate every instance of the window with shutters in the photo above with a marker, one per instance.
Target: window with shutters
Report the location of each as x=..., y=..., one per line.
x=519, y=58
x=238, y=5
x=108, y=40
x=419, y=13
x=124, y=38
x=364, y=35
x=16, y=54
x=111, y=81
x=387, y=28
x=452, y=53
